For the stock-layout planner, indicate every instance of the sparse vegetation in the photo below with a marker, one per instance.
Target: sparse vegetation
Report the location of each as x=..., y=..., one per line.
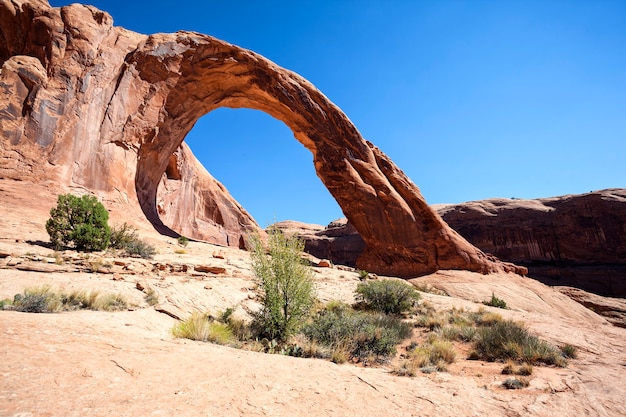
x=569, y=351
x=286, y=284
x=152, y=298
x=80, y=222
x=515, y=383
x=200, y=327
x=182, y=241
x=495, y=302
x=510, y=340
x=357, y=334
x=45, y=300
x=125, y=238
x=387, y=296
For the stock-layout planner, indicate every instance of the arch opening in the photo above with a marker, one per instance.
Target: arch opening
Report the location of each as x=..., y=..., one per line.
x=258, y=162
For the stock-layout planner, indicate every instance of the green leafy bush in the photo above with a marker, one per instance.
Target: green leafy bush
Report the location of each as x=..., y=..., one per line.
x=286, y=284
x=79, y=221
x=358, y=333
x=495, y=302
x=182, y=241
x=387, y=296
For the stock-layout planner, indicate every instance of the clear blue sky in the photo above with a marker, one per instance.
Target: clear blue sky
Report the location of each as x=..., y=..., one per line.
x=471, y=99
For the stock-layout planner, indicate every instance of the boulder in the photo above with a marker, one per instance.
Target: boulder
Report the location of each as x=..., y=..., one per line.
x=89, y=106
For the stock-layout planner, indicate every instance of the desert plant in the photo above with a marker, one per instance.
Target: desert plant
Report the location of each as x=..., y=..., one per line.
x=200, y=327
x=152, y=298
x=359, y=333
x=182, y=241
x=387, y=296
x=125, y=237
x=363, y=275
x=435, y=353
x=495, y=302
x=510, y=340
x=37, y=300
x=515, y=383
x=79, y=221
x=286, y=284
x=569, y=351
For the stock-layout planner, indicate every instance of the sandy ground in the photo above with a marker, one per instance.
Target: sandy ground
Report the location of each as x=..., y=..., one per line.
x=128, y=364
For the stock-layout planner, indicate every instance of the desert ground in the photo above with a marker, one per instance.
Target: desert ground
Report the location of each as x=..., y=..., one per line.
x=89, y=363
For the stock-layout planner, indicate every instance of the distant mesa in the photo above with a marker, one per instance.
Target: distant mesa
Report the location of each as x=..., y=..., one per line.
x=86, y=104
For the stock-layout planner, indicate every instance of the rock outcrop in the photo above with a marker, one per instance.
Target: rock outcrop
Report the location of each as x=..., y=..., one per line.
x=339, y=242
x=573, y=240
x=89, y=105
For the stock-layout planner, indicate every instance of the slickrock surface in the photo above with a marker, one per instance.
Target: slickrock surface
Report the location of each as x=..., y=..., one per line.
x=88, y=105
x=128, y=364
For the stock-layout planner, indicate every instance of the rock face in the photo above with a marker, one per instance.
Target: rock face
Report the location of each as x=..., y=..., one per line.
x=89, y=105
x=339, y=241
x=574, y=240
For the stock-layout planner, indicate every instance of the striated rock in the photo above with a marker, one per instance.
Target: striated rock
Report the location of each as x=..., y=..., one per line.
x=86, y=105
x=573, y=240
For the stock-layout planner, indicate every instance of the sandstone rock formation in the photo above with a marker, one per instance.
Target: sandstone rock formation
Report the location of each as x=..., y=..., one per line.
x=573, y=240
x=88, y=105
x=339, y=241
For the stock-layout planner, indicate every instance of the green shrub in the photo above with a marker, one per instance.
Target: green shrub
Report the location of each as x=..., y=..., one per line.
x=44, y=300
x=510, y=340
x=495, y=302
x=182, y=241
x=387, y=296
x=286, y=284
x=358, y=333
x=125, y=237
x=79, y=221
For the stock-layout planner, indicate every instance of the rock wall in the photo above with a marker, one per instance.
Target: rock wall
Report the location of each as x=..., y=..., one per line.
x=86, y=104
x=574, y=240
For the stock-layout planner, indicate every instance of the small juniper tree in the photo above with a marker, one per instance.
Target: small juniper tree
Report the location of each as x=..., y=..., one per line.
x=285, y=280
x=79, y=221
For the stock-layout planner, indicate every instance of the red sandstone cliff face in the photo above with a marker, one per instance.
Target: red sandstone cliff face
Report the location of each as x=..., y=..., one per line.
x=574, y=240
x=88, y=105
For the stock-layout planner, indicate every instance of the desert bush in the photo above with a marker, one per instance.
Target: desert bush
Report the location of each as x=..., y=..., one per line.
x=6, y=304
x=436, y=354
x=79, y=221
x=515, y=383
x=286, y=284
x=151, y=297
x=360, y=334
x=495, y=302
x=125, y=238
x=387, y=296
x=182, y=241
x=37, y=300
x=44, y=300
x=569, y=351
x=483, y=317
x=200, y=327
x=510, y=340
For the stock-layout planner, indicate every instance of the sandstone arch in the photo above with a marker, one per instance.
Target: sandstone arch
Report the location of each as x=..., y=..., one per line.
x=131, y=99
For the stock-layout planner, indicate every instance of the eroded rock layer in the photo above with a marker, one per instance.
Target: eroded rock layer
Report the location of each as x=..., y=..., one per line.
x=90, y=105
x=573, y=240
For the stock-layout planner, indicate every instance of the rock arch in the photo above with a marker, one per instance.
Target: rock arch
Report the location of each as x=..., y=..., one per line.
x=106, y=109
x=403, y=235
